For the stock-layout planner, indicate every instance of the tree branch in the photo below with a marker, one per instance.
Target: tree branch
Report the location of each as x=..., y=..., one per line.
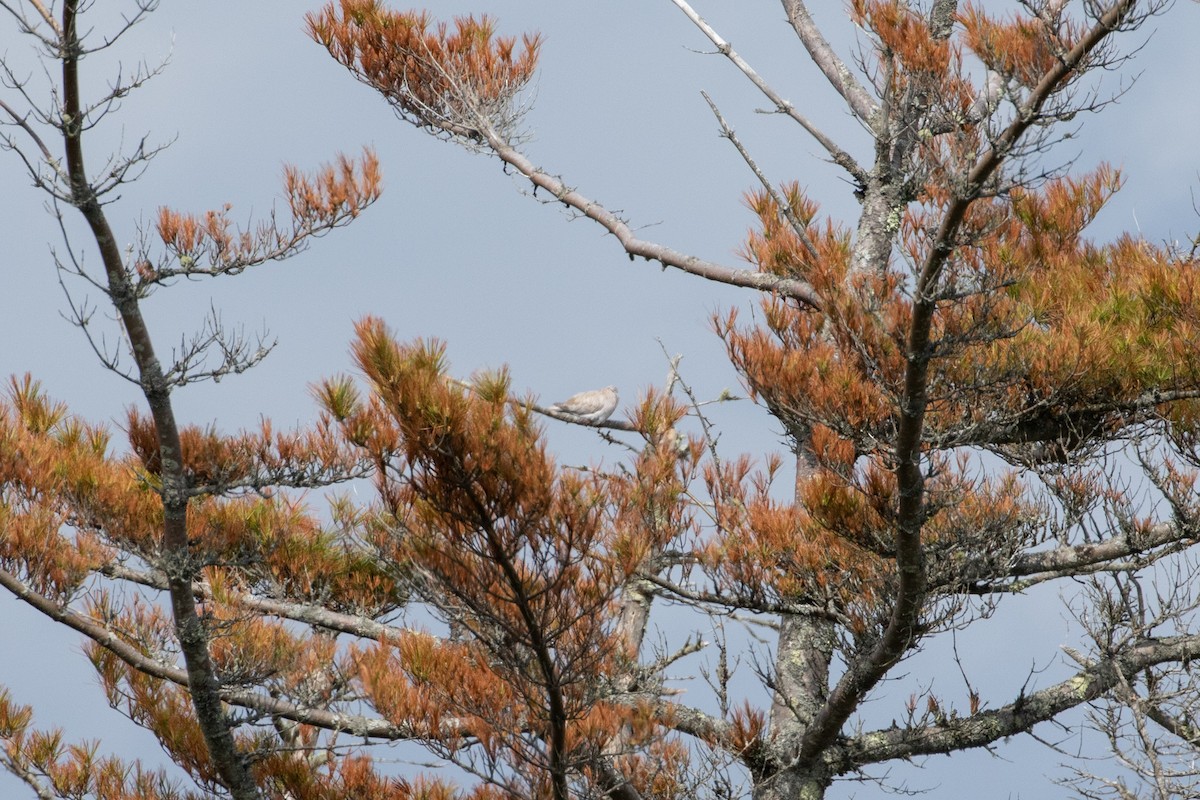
x=1064, y=560
x=785, y=208
x=836, y=72
x=318, y=616
x=751, y=279
x=903, y=623
x=355, y=724
x=839, y=156
x=1020, y=716
x=1037, y=424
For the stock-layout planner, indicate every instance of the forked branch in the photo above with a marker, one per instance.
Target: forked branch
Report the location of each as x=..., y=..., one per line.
x=904, y=622
x=839, y=156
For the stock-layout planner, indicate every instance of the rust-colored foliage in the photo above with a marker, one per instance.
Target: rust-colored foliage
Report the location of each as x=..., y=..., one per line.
x=54, y=474
x=1041, y=337
x=215, y=463
x=823, y=549
x=1038, y=329
x=812, y=362
x=210, y=244
x=75, y=770
x=448, y=78
x=1042, y=344
x=904, y=32
x=653, y=511
x=1020, y=47
x=967, y=316
x=517, y=553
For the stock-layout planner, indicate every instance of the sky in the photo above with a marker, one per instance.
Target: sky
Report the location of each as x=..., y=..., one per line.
x=457, y=249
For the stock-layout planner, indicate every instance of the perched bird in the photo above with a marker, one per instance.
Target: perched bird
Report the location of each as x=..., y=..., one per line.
x=589, y=407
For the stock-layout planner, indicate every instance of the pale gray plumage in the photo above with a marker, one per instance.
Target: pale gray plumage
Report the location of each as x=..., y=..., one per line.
x=590, y=407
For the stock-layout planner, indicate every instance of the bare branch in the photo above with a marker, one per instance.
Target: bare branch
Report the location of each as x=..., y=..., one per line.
x=45, y=14
x=307, y=613
x=1065, y=561
x=836, y=153
x=1021, y=715
x=836, y=72
x=789, y=213
x=798, y=290
x=329, y=720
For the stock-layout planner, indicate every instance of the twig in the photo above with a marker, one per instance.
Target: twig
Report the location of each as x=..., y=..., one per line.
x=839, y=156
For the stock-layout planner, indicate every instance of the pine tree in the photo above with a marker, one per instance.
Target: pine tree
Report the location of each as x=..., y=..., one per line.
x=965, y=379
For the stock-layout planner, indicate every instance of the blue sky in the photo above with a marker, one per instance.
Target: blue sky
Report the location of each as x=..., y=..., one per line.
x=454, y=249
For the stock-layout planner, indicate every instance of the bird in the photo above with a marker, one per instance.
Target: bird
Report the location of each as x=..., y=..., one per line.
x=590, y=408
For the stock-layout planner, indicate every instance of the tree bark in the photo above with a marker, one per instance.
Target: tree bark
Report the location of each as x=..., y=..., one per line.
x=203, y=684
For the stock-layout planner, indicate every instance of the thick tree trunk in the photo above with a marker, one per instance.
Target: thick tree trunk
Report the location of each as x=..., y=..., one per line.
x=802, y=660
x=177, y=563
x=791, y=784
x=802, y=678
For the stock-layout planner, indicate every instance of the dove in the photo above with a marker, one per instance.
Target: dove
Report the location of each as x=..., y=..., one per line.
x=591, y=407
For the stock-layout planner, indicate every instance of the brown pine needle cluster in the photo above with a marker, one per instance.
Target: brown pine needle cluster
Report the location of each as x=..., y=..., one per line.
x=211, y=244
x=458, y=80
